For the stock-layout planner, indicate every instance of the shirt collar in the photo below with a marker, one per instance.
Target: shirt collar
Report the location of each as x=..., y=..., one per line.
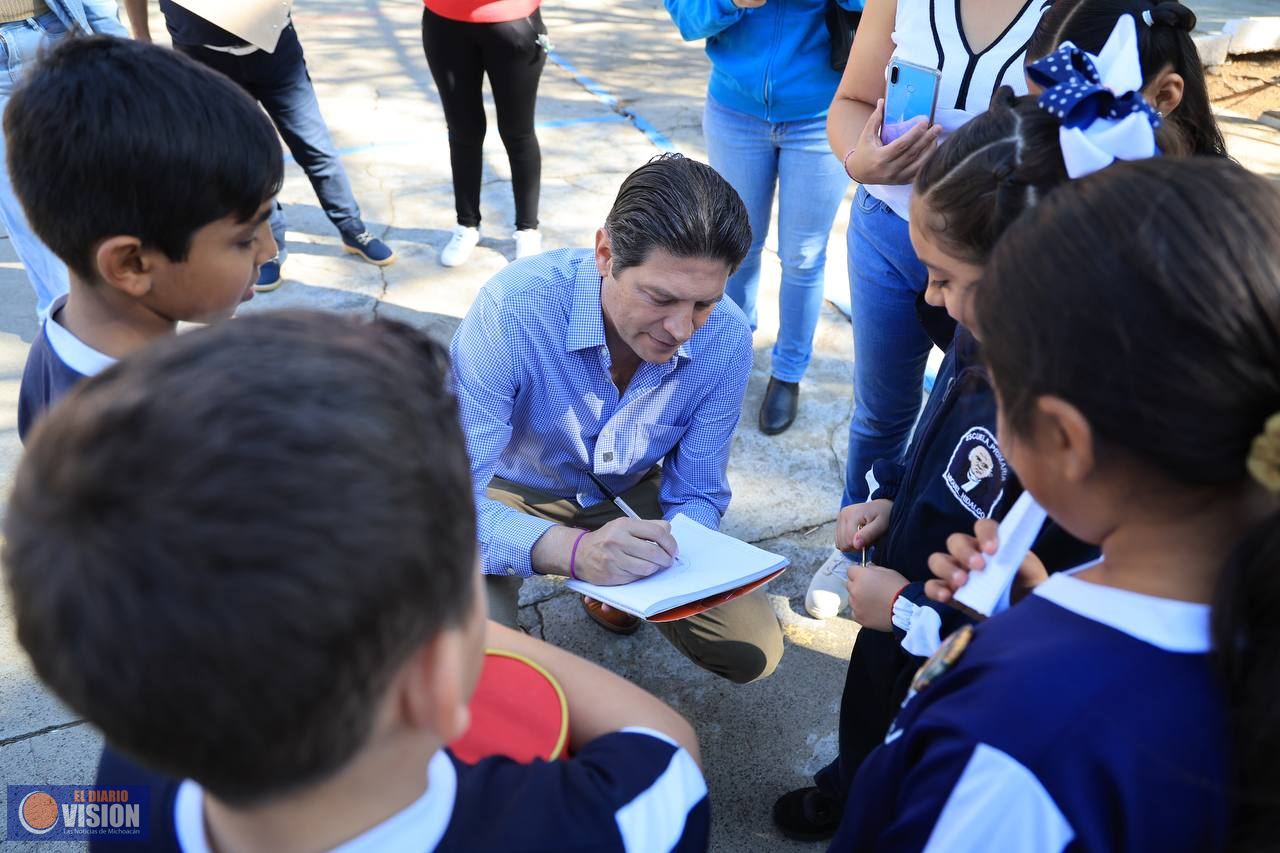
x=1175, y=626
x=419, y=826
x=586, y=316
x=69, y=349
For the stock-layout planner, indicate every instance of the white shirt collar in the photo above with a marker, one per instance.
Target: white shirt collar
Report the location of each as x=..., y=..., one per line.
x=418, y=827
x=1175, y=626
x=69, y=349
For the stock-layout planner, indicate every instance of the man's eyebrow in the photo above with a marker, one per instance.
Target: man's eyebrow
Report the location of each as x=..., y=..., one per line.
x=656, y=291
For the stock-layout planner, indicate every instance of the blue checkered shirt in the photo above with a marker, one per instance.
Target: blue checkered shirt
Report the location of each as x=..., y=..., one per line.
x=540, y=409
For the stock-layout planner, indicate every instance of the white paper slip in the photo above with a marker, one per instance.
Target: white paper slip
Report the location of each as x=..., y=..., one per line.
x=709, y=563
x=259, y=22
x=987, y=590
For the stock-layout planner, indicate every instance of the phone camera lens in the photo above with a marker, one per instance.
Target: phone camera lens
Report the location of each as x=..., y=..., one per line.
x=893, y=74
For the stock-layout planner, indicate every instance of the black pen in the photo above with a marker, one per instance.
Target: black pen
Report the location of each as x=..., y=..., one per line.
x=608, y=493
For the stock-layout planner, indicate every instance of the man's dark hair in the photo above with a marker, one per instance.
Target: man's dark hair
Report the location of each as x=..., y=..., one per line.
x=682, y=207
x=222, y=565
x=108, y=136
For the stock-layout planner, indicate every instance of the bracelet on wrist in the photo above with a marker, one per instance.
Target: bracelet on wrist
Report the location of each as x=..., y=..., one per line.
x=573, y=555
x=845, y=163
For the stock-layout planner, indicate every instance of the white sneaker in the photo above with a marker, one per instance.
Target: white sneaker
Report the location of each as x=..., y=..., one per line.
x=459, y=248
x=528, y=242
x=827, y=594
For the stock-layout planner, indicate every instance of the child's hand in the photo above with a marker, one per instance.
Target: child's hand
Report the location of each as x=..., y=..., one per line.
x=969, y=553
x=871, y=593
x=860, y=525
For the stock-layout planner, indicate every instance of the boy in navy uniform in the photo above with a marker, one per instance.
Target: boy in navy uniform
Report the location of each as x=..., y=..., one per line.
x=154, y=190
x=258, y=586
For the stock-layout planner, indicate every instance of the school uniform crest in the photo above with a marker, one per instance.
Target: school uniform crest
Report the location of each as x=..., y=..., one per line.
x=943, y=659
x=977, y=472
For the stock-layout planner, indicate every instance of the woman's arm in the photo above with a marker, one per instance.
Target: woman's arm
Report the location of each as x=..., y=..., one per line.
x=853, y=123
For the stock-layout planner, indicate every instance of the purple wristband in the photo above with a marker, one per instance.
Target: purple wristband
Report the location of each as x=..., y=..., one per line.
x=573, y=555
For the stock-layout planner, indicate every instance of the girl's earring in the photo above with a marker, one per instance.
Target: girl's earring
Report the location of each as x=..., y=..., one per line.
x=1160, y=113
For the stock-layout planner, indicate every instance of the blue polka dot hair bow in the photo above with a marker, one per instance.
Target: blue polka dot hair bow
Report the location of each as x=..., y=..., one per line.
x=1099, y=101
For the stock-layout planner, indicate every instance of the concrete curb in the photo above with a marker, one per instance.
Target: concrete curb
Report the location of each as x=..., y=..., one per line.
x=1239, y=37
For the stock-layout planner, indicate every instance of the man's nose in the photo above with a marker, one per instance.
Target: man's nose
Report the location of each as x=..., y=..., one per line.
x=679, y=326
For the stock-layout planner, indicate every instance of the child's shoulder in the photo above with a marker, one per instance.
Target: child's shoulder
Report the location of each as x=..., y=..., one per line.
x=1093, y=705
x=1083, y=681
x=1076, y=647
x=56, y=361
x=630, y=790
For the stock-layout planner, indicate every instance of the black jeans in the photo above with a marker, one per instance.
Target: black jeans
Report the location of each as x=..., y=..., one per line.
x=460, y=54
x=280, y=82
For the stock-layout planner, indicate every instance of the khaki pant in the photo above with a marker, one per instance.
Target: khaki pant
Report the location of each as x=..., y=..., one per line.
x=740, y=640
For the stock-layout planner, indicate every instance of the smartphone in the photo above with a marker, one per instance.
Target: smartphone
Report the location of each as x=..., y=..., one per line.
x=911, y=94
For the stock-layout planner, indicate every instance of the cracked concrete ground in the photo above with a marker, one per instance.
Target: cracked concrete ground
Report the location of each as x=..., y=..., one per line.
x=620, y=87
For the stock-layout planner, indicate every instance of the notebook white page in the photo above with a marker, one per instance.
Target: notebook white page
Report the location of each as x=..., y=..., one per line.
x=709, y=563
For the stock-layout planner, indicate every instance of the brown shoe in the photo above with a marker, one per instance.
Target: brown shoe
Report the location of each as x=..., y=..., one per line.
x=610, y=618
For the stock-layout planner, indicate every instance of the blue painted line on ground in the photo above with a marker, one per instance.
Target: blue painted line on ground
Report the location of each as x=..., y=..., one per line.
x=602, y=94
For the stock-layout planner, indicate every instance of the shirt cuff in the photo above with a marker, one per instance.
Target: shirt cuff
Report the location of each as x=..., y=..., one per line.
x=509, y=550
x=923, y=627
x=698, y=511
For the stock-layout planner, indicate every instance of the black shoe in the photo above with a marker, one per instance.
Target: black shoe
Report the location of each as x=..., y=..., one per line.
x=781, y=402
x=807, y=815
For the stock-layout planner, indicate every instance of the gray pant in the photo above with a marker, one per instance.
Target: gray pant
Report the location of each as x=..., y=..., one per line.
x=740, y=640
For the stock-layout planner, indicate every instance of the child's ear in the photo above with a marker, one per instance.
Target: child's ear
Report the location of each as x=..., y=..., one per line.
x=436, y=689
x=1065, y=433
x=123, y=263
x=1166, y=91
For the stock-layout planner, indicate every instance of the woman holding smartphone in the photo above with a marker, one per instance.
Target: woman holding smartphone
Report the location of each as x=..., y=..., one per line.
x=977, y=47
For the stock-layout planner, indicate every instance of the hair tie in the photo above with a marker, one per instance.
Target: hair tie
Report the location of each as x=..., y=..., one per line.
x=1148, y=19
x=1264, y=456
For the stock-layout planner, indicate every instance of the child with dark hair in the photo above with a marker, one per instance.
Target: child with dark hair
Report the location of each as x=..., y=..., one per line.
x=981, y=180
x=152, y=179
x=261, y=585
x=1101, y=712
x=1172, y=74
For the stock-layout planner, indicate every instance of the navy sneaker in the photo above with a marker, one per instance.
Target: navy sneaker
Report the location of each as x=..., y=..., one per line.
x=368, y=247
x=268, y=276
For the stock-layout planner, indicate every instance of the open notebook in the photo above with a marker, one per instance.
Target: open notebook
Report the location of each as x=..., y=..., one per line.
x=709, y=563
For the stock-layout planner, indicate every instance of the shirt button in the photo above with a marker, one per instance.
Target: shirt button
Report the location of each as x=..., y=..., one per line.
x=608, y=457
x=510, y=570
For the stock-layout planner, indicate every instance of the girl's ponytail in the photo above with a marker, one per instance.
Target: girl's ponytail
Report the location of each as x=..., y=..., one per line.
x=1246, y=633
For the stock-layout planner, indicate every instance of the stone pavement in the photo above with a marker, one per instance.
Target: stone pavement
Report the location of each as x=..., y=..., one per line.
x=622, y=87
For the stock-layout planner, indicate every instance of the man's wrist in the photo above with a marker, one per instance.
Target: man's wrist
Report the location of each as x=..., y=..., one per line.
x=553, y=551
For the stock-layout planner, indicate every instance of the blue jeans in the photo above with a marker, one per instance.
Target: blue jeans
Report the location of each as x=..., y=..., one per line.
x=890, y=347
x=754, y=155
x=280, y=82
x=21, y=43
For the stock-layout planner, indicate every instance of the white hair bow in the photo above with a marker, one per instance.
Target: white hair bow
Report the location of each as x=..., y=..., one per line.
x=1099, y=101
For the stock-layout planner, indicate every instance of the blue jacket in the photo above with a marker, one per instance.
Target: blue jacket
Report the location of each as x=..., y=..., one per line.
x=89, y=16
x=772, y=62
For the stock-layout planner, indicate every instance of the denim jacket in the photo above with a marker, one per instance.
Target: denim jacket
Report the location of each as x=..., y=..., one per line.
x=89, y=16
